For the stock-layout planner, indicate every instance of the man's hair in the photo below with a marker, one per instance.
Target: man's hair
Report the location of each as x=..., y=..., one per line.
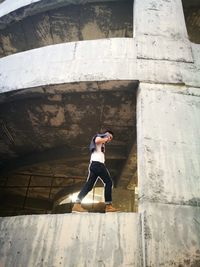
x=109, y=131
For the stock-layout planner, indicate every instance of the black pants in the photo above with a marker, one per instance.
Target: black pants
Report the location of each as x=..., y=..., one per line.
x=97, y=169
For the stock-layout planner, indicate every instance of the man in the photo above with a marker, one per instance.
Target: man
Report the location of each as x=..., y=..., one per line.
x=97, y=169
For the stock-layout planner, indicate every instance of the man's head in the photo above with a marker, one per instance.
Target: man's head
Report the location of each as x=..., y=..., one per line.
x=110, y=134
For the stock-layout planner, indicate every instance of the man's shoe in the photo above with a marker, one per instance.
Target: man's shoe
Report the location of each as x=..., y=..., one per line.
x=110, y=208
x=78, y=208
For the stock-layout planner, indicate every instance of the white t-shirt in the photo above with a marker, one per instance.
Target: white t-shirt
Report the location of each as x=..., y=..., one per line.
x=98, y=154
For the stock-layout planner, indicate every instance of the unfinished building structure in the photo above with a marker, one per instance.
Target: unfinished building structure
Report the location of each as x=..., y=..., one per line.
x=69, y=69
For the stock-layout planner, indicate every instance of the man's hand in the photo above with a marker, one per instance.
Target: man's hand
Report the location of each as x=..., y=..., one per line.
x=104, y=140
x=109, y=138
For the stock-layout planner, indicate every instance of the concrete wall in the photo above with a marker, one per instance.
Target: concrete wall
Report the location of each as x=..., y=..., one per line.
x=70, y=240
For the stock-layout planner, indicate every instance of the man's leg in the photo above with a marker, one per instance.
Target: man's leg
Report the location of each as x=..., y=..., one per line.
x=108, y=184
x=87, y=186
x=92, y=177
x=105, y=177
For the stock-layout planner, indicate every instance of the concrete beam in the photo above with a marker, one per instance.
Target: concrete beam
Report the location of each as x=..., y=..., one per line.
x=114, y=59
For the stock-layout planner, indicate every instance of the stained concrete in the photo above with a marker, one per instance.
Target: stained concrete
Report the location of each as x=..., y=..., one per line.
x=70, y=240
x=171, y=235
x=170, y=145
x=169, y=34
x=66, y=24
x=74, y=62
x=168, y=172
x=36, y=6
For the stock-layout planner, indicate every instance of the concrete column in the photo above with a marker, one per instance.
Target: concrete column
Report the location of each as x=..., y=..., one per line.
x=160, y=30
x=168, y=173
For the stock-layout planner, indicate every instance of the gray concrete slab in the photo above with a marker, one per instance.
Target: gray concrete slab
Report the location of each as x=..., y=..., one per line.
x=70, y=240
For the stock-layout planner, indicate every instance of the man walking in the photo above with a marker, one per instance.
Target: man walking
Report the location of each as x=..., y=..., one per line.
x=97, y=169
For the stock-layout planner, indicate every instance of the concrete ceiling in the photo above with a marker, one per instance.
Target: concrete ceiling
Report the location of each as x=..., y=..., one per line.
x=68, y=23
x=45, y=134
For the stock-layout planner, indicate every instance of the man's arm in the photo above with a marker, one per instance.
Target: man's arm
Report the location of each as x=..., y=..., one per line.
x=100, y=140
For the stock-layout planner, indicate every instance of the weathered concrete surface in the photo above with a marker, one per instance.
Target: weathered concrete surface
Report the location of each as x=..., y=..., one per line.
x=164, y=48
x=169, y=147
x=66, y=24
x=160, y=30
x=169, y=14
x=114, y=59
x=73, y=61
x=171, y=235
x=70, y=240
x=8, y=6
x=168, y=174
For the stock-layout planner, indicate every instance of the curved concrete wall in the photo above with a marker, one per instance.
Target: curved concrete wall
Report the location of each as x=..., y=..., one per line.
x=112, y=59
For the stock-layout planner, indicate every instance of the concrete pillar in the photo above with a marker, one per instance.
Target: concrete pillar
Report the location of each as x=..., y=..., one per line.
x=160, y=30
x=168, y=174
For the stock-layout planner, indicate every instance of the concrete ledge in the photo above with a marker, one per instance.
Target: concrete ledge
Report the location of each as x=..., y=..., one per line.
x=71, y=240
